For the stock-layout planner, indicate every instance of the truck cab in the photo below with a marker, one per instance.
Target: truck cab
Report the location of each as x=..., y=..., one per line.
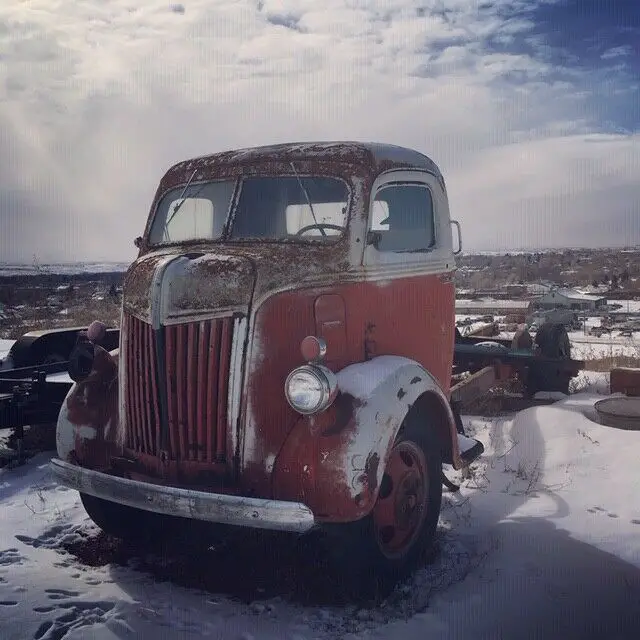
x=285, y=356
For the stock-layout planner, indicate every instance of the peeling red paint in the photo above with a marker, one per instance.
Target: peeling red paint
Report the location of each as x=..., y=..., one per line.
x=93, y=405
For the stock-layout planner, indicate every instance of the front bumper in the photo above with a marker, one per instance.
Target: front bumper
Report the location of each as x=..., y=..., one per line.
x=258, y=513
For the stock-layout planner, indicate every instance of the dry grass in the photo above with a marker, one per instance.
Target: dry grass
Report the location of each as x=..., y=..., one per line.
x=81, y=316
x=611, y=362
x=614, y=355
x=49, y=308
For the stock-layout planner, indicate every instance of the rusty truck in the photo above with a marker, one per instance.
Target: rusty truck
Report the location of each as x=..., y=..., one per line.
x=284, y=358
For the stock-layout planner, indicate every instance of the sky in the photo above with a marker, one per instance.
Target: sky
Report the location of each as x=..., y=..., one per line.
x=530, y=107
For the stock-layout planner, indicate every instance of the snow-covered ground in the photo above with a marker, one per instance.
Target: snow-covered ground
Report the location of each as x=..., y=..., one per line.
x=589, y=347
x=593, y=349
x=626, y=306
x=5, y=346
x=71, y=268
x=542, y=541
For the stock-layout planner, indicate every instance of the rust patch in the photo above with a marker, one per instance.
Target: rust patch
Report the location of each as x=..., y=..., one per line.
x=94, y=404
x=209, y=281
x=342, y=412
x=369, y=341
x=137, y=286
x=371, y=471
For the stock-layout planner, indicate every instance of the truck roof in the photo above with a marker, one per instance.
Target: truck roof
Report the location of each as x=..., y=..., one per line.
x=375, y=155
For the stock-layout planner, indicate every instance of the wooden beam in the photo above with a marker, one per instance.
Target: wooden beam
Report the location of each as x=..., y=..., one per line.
x=475, y=386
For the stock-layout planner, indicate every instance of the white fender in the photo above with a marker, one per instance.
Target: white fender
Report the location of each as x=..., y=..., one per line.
x=68, y=432
x=65, y=430
x=386, y=387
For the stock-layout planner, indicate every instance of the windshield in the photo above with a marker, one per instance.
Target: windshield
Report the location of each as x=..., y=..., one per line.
x=269, y=208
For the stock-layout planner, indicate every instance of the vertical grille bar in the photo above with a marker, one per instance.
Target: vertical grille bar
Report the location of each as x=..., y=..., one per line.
x=171, y=388
x=147, y=367
x=212, y=389
x=130, y=384
x=223, y=382
x=180, y=386
x=137, y=391
x=191, y=392
x=203, y=382
x=154, y=399
x=144, y=405
x=141, y=426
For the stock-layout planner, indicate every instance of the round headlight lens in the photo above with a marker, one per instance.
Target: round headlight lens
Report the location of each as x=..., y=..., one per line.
x=309, y=389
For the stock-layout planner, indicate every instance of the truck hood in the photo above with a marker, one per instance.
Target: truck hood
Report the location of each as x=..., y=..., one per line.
x=180, y=288
x=203, y=282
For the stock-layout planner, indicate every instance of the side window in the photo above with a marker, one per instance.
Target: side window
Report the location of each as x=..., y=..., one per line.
x=403, y=217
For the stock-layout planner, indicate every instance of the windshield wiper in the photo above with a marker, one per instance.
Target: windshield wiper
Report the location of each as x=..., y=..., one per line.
x=186, y=186
x=306, y=195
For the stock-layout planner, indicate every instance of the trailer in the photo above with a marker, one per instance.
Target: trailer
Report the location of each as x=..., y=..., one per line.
x=34, y=381
x=543, y=364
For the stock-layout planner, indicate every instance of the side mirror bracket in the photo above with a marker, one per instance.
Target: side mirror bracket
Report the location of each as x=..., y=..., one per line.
x=456, y=224
x=374, y=238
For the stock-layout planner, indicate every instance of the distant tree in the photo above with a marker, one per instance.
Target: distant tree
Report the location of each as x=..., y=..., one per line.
x=614, y=281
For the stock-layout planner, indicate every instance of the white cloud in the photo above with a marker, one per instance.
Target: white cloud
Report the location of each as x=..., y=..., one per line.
x=616, y=52
x=564, y=191
x=97, y=99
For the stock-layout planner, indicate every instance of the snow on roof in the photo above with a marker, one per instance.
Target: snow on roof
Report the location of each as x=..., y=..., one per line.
x=539, y=287
x=381, y=154
x=5, y=347
x=573, y=294
x=493, y=304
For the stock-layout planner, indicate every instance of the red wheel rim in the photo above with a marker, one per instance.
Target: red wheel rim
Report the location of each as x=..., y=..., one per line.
x=402, y=500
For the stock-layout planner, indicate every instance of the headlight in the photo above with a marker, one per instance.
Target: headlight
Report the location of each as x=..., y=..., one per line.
x=310, y=388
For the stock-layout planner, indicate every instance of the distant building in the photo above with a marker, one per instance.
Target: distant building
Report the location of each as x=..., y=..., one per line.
x=492, y=307
x=570, y=299
x=600, y=290
x=516, y=290
x=557, y=316
x=539, y=288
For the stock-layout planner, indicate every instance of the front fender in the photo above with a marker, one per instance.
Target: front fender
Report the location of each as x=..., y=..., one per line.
x=88, y=427
x=334, y=461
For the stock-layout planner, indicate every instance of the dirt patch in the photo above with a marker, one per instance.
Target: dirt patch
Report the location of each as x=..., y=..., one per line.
x=245, y=566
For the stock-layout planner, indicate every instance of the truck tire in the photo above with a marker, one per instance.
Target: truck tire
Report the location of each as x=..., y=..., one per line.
x=553, y=341
x=120, y=521
x=378, y=550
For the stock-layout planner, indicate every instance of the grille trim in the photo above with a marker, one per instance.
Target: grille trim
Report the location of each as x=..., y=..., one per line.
x=200, y=362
